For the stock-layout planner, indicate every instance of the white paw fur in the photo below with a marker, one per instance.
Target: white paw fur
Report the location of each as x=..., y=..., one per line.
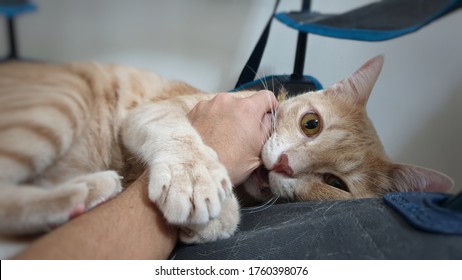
x=189, y=190
x=219, y=228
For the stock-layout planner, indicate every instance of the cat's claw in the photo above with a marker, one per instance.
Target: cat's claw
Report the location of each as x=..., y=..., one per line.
x=189, y=193
x=219, y=228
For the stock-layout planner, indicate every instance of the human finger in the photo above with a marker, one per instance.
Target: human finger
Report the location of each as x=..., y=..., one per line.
x=264, y=101
x=267, y=126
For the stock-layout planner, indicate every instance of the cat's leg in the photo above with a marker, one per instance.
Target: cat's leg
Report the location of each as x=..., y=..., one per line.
x=27, y=209
x=187, y=181
x=219, y=228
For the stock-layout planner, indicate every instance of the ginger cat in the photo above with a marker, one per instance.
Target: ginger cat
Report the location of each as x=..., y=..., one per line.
x=68, y=132
x=325, y=147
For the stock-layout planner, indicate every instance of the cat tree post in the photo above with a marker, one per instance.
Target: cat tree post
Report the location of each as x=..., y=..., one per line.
x=11, y=9
x=13, y=54
x=299, y=62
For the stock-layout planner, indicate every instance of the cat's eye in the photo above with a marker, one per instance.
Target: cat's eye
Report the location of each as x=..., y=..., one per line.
x=310, y=124
x=335, y=182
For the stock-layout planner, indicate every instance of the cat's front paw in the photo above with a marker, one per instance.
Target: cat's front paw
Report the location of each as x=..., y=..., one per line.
x=189, y=191
x=221, y=227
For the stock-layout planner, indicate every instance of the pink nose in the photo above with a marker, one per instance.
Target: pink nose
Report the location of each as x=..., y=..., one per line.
x=282, y=166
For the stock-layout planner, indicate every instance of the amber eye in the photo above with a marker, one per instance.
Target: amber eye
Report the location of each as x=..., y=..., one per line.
x=310, y=124
x=335, y=182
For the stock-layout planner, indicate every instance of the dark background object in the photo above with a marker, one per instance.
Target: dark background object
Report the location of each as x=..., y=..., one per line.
x=10, y=9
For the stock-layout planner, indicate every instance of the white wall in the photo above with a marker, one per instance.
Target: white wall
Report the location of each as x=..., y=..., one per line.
x=415, y=105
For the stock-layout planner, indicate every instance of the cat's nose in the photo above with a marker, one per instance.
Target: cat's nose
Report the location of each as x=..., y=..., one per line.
x=282, y=166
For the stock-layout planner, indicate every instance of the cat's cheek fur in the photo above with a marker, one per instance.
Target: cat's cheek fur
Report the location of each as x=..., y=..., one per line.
x=272, y=149
x=317, y=190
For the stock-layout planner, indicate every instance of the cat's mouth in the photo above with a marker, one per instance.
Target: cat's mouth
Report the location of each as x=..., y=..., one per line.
x=261, y=177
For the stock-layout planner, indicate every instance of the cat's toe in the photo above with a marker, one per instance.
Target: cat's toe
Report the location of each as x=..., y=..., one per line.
x=102, y=186
x=204, y=208
x=210, y=232
x=221, y=227
x=189, y=194
x=159, y=182
x=175, y=206
x=222, y=182
x=189, y=199
x=206, y=200
x=77, y=211
x=173, y=191
x=219, y=175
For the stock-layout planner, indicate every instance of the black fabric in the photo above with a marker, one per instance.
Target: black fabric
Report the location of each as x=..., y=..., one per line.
x=352, y=229
x=291, y=86
x=252, y=65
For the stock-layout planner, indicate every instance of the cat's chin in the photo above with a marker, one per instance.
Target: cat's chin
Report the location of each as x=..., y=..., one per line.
x=262, y=180
x=258, y=185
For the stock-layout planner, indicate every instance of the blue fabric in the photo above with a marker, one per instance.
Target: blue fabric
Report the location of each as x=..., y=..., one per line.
x=13, y=10
x=380, y=21
x=423, y=211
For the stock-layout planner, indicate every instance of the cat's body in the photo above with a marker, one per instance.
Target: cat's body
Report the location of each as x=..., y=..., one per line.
x=63, y=127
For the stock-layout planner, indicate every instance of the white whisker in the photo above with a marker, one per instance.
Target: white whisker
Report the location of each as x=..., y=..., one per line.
x=263, y=206
x=259, y=77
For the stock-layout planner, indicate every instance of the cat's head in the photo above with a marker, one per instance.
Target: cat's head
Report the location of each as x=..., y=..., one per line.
x=325, y=147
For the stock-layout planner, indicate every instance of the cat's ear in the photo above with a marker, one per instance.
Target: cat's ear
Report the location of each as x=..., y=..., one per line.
x=357, y=87
x=414, y=178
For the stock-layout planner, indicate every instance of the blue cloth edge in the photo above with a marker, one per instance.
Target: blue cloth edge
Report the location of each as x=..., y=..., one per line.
x=317, y=84
x=361, y=34
x=15, y=10
x=415, y=213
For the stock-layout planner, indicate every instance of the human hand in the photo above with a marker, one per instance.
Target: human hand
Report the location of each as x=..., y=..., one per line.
x=236, y=128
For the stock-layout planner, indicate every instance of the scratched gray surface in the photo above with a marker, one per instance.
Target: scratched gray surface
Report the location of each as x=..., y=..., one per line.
x=353, y=229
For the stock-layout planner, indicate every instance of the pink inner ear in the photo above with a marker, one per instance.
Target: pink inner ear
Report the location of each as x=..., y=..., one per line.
x=415, y=178
x=358, y=86
x=438, y=183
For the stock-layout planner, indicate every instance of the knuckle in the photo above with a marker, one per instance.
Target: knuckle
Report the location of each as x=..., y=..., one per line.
x=223, y=97
x=201, y=104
